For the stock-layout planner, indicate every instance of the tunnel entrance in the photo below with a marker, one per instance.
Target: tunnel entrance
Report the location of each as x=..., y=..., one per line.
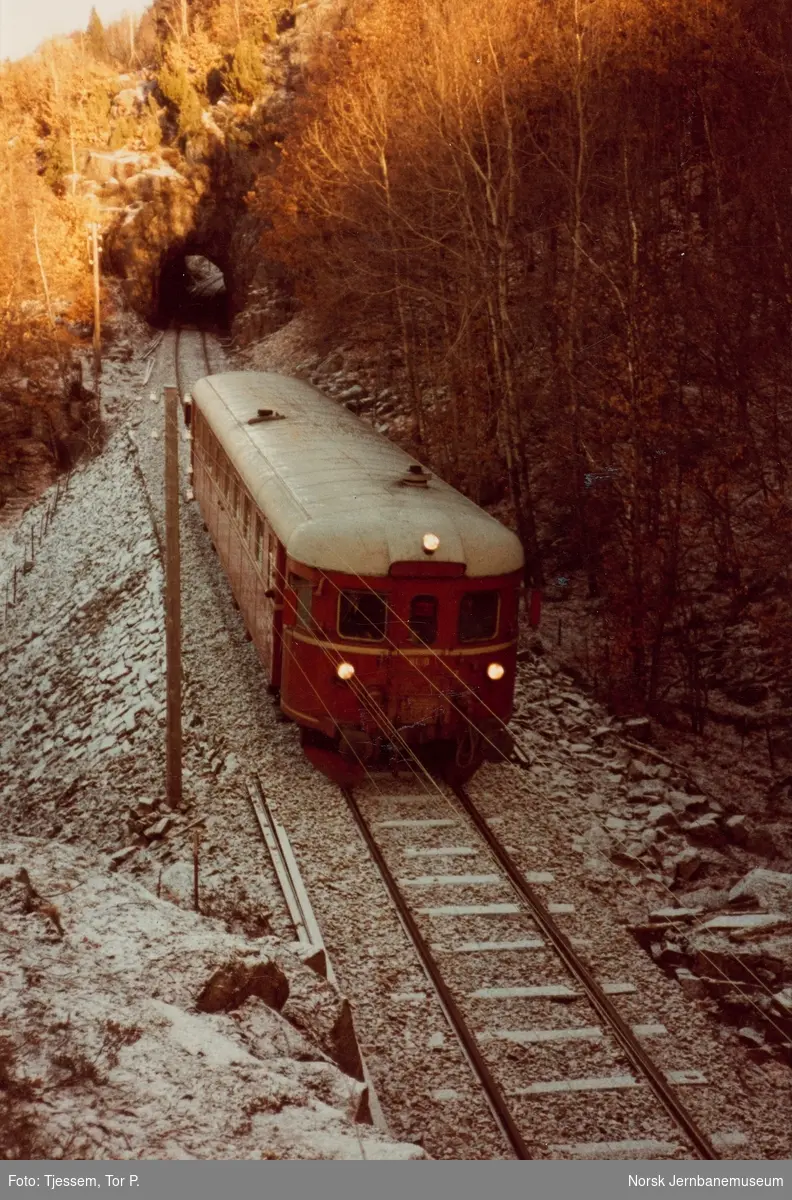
x=192, y=291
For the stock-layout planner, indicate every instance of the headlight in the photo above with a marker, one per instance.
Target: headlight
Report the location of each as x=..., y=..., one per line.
x=430, y=542
x=495, y=671
x=345, y=670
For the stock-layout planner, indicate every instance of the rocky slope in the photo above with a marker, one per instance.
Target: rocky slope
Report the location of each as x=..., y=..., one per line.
x=134, y=1029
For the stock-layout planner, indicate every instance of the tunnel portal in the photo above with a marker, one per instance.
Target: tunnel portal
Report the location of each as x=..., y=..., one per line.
x=192, y=291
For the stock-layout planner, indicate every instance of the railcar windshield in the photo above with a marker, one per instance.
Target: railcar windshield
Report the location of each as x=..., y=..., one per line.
x=362, y=616
x=423, y=618
x=478, y=616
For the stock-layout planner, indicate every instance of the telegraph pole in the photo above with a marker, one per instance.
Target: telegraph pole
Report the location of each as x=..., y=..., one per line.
x=173, y=673
x=94, y=252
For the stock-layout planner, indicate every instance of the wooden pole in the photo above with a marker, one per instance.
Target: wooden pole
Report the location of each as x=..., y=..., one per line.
x=96, y=249
x=173, y=751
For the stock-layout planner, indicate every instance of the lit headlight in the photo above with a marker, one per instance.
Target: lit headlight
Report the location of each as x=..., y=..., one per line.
x=345, y=670
x=495, y=671
x=430, y=542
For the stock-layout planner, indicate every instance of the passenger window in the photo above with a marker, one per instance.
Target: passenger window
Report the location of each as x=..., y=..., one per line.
x=259, y=542
x=361, y=615
x=423, y=618
x=246, y=512
x=304, y=593
x=478, y=616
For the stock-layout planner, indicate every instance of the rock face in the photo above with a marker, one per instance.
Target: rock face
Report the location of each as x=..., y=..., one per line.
x=160, y=215
x=133, y=1029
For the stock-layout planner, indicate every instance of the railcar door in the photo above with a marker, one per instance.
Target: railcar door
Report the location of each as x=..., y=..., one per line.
x=270, y=561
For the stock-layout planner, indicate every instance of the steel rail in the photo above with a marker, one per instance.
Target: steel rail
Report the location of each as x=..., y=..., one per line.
x=492, y=1090
x=205, y=349
x=603, y=1005
x=176, y=356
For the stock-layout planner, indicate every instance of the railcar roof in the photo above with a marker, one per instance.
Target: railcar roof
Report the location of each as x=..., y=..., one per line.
x=330, y=487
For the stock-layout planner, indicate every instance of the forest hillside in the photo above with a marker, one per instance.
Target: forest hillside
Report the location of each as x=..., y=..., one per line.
x=563, y=228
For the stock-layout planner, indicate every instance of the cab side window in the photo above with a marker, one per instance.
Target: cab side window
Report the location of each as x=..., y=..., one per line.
x=303, y=592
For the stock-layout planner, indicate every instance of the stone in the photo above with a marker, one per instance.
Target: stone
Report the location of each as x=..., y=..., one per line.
x=752, y=922
x=231, y=985
x=121, y=856
x=736, y=828
x=766, y=888
x=691, y=985
x=751, y=1036
x=436, y=1041
x=641, y=770
x=683, y=865
x=673, y=914
x=647, y=789
x=760, y=841
x=639, y=728
x=649, y=838
x=704, y=829
x=784, y=1000
x=662, y=814
x=158, y=828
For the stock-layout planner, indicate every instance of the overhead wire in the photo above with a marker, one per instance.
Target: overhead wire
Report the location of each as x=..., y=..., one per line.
x=386, y=724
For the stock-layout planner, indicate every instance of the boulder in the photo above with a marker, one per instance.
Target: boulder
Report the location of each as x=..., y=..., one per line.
x=768, y=889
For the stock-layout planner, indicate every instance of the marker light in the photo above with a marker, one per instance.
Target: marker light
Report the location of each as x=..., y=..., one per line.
x=495, y=671
x=345, y=670
x=430, y=542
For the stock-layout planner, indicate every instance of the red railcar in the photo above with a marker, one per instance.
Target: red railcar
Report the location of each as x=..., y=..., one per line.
x=383, y=603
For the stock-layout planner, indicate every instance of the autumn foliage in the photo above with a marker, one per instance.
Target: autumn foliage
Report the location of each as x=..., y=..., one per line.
x=571, y=222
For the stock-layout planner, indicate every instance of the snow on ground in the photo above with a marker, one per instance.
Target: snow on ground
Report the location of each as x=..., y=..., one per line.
x=81, y=761
x=133, y=1029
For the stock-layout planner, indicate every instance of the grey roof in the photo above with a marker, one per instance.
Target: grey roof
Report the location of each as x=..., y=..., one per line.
x=330, y=486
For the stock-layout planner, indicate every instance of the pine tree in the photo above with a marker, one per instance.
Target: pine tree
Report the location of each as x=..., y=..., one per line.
x=97, y=42
x=246, y=76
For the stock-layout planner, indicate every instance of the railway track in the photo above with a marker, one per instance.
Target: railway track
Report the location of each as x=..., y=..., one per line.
x=192, y=340
x=571, y=1061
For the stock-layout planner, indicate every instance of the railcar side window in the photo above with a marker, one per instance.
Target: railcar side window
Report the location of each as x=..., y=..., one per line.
x=259, y=542
x=423, y=618
x=361, y=615
x=478, y=616
x=246, y=511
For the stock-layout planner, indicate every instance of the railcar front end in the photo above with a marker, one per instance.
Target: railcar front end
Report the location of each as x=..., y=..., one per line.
x=379, y=671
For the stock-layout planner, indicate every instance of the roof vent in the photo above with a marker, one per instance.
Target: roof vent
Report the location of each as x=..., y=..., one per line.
x=266, y=414
x=416, y=476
